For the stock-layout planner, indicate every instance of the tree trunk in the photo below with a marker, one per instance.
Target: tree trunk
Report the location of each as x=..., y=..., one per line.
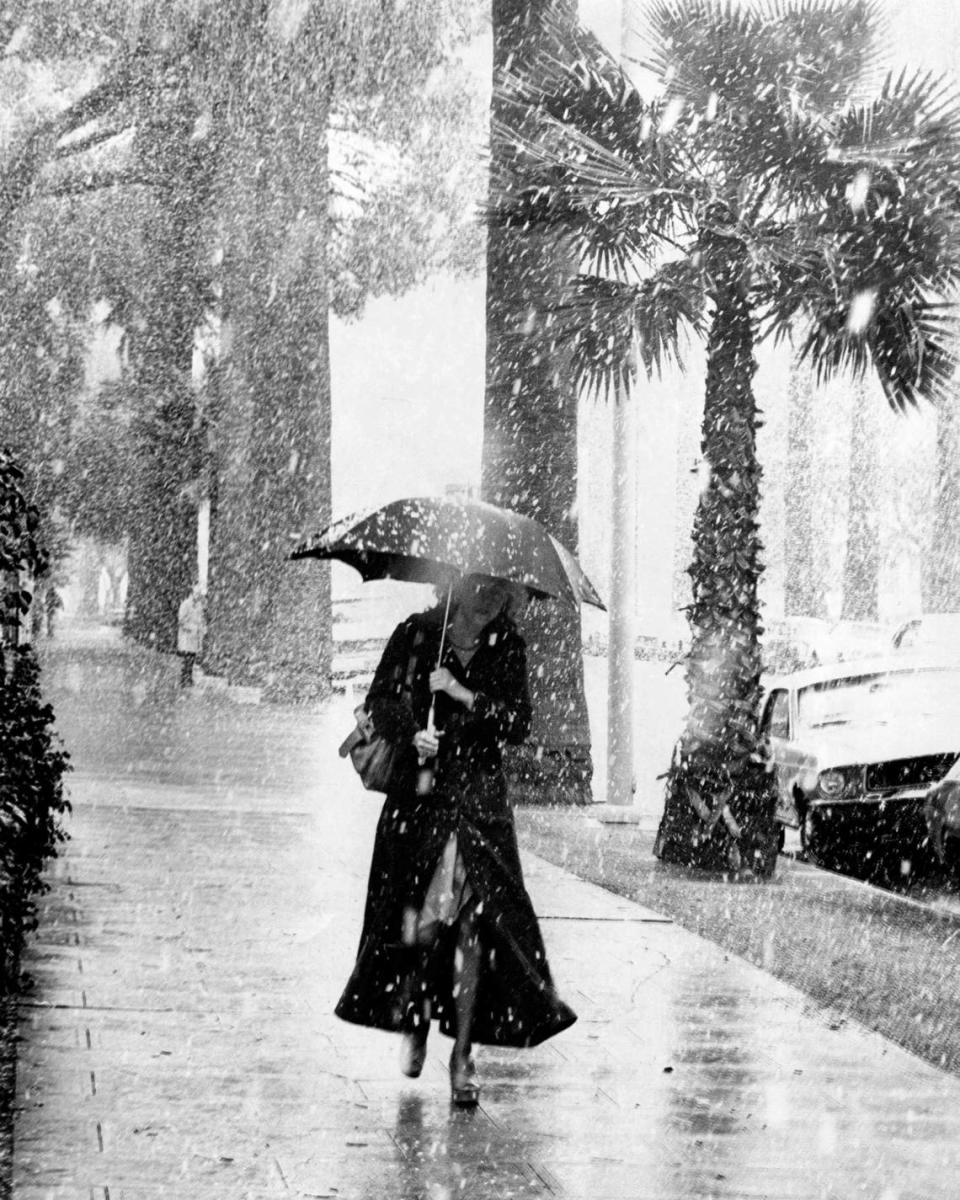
x=530, y=465
x=719, y=803
x=163, y=533
x=941, y=577
x=804, y=583
x=163, y=525
x=861, y=573
x=270, y=619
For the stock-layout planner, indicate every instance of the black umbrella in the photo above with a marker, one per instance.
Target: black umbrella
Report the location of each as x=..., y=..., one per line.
x=426, y=538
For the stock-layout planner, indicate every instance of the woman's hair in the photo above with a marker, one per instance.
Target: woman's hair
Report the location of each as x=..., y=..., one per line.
x=517, y=597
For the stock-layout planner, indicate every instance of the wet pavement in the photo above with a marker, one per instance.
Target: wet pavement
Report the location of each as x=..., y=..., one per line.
x=178, y=1039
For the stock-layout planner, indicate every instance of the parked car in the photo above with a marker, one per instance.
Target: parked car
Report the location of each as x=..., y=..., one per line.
x=942, y=813
x=855, y=748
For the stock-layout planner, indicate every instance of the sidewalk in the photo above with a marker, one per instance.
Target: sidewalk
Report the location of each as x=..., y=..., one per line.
x=179, y=1038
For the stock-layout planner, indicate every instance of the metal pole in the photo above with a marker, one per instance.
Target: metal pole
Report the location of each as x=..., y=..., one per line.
x=622, y=627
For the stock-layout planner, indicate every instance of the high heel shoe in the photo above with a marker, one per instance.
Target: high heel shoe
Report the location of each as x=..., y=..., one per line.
x=464, y=1086
x=413, y=1050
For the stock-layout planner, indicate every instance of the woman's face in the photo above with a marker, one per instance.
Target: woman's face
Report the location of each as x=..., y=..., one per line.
x=482, y=599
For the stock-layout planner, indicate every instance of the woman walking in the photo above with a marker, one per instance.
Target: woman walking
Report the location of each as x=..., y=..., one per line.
x=449, y=933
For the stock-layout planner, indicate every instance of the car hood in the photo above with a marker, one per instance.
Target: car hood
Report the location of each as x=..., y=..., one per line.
x=883, y=741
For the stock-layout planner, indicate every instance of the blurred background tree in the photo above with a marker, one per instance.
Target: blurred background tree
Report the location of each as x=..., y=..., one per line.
x=266, y=152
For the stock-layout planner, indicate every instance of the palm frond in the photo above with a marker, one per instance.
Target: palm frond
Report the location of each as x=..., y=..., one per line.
x=700, y=49
x=584, y=160
x=604, y=324
x=593, y=99
x=783, y=257
x=910, y=343
x=558, y=44
x=753, y=87
x=908, y=139
x=877, y=294
x=544, y=152
x=671, y=300
x=814, y=52
x=562, y=180
x=595, y=324
x=830, y=48
x=574, y=79
x=879, y=233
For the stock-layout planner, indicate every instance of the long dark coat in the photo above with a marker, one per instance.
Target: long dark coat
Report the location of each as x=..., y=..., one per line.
x=517, y=1004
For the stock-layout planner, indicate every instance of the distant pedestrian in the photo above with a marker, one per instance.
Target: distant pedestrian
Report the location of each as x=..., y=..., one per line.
x=449, y=932
x=191, y=626
x=51, y=603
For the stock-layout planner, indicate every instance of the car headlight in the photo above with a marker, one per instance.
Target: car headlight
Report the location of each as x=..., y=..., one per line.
x=836, y=782
x=831, y=784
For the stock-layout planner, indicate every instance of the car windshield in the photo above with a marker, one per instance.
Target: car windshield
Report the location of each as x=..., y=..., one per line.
x=880, y=698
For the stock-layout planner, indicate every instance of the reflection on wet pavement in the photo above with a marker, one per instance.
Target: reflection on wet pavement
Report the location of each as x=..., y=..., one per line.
x=179, y=1038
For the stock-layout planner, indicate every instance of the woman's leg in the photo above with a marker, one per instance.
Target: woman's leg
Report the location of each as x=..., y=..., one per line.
x=419, y=943
x=466, y=980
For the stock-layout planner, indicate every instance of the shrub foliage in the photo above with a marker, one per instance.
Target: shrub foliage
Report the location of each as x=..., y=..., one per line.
x=32, y=762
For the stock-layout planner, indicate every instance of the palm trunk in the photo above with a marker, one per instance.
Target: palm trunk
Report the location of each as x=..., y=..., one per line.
x=804, y=582
x=941, y=577
x=861, y=575
x=530, y=465
x=719, y=803
x=270, y=620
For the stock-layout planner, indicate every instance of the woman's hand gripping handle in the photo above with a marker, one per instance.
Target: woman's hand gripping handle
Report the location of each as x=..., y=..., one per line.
x=427, y=741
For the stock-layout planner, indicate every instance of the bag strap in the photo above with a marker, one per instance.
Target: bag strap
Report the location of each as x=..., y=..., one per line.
x=412, y=662
x=353, y=738
x=407, y=685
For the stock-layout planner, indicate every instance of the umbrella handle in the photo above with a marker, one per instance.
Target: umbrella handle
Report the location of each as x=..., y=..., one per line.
x=431, y=727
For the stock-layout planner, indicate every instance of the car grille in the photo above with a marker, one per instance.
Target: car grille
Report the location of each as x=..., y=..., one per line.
x=908, y=772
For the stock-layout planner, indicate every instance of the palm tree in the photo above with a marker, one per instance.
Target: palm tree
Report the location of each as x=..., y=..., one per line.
x=798, y=205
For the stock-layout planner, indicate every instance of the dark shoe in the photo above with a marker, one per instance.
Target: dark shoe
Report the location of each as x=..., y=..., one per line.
x=413, y=1050
x=464, y=1086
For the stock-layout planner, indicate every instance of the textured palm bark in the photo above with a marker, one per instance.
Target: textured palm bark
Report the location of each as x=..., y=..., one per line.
x=719, y=799
x=530, y=464
x=861, y=572
x=804, y=595
x=941, y=576
x=270, y=620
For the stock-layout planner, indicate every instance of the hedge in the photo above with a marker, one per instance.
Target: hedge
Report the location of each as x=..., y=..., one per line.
x=32, y=762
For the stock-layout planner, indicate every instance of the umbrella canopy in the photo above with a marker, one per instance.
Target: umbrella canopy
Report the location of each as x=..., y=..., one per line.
x=423, y=539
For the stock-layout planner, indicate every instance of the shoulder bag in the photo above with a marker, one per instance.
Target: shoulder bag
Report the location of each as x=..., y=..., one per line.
x=374, y=757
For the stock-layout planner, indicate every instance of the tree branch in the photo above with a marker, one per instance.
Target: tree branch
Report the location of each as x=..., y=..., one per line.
x=96, y=138
x=114, y=89
x=98, y=181
x=346, y=178
x=17, y=182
